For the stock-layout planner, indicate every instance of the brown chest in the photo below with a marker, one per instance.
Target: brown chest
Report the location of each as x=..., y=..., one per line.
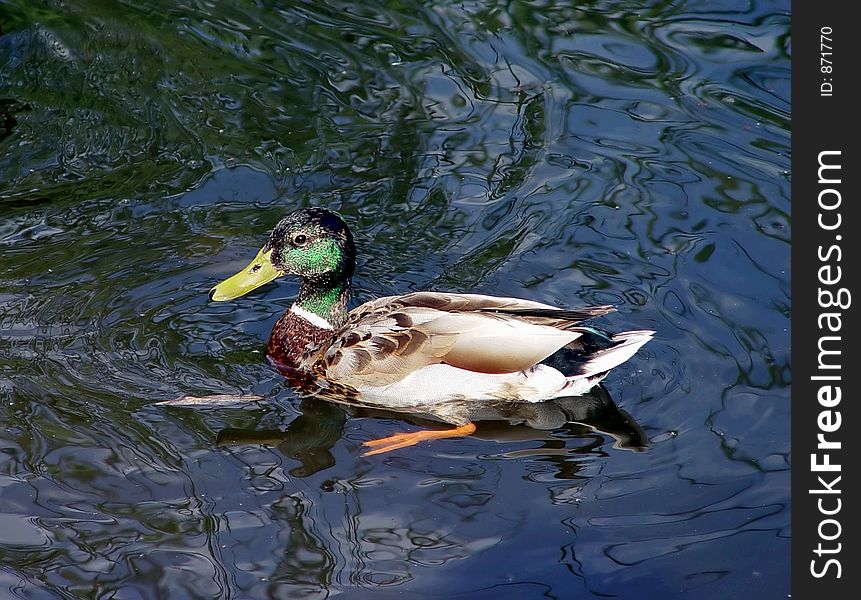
x=292, y=336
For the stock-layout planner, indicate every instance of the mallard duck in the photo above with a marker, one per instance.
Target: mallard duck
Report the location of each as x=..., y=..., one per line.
x=423, y=352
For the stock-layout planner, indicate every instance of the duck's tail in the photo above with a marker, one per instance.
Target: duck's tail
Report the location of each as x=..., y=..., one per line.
x=598, y=362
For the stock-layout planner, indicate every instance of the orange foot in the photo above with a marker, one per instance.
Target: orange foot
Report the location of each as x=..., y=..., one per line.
x=402, y=440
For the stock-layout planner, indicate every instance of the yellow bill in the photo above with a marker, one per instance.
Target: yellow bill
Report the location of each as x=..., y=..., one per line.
x=257, y=273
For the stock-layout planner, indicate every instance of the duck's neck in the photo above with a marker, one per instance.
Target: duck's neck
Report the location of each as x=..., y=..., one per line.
x=324, y=303
x=318, y=311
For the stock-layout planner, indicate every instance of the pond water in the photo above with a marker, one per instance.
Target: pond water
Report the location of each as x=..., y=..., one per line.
x=628, y=153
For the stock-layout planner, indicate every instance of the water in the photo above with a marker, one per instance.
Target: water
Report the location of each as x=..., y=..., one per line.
x=616, y=152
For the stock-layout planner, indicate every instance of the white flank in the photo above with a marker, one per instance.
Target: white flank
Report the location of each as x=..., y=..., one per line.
x=442, y=383
x=439, y=383
x=315, y=320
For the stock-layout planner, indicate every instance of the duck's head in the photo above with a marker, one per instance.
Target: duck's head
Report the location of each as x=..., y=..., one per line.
x=311, y=243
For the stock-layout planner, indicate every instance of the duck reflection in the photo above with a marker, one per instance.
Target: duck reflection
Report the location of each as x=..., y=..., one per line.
x=310, y=437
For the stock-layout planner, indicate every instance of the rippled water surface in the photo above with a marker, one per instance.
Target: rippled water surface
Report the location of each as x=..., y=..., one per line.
x=571, y=153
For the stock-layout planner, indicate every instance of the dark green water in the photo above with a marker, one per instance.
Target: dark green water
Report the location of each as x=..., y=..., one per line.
x=613, y=152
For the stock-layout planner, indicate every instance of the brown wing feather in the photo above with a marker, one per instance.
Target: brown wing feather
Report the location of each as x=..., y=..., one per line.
x=386, y=357
x=478, y=302
x=388, y=338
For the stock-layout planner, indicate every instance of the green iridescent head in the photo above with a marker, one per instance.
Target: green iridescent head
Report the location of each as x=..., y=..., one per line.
x=311, y=243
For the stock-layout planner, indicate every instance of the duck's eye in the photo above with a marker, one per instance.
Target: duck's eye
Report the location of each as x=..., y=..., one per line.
x=300, y=239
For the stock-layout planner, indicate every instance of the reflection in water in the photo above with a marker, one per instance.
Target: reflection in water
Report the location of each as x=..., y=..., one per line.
x=310, y=437
x=390, y=543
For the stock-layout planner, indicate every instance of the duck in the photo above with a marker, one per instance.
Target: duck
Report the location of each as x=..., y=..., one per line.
x=439, y=354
